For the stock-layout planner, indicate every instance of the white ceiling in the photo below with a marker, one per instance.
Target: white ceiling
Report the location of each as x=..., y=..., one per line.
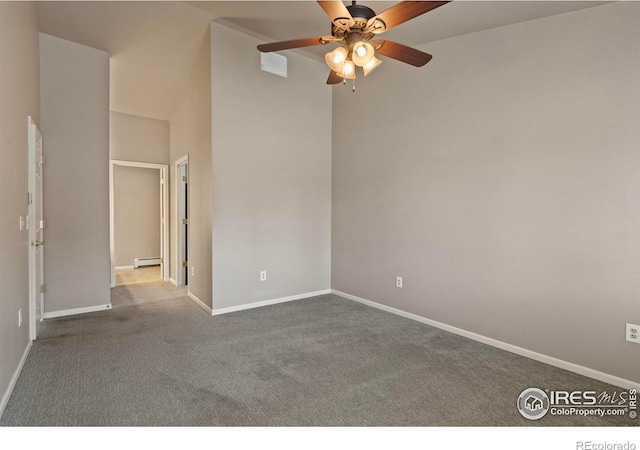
x=153, y=45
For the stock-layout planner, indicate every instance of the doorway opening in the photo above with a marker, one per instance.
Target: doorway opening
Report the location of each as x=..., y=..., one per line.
x=182, y=221
x=138, y=213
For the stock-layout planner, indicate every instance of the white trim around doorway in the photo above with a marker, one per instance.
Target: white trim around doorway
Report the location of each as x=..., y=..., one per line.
x=179, y=279
x=164, y=213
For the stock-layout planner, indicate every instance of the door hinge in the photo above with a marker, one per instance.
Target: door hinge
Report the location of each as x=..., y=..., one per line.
x=42, y=288
x=42, y=224
x=29, y=198
x=41, y=160
x=184, y=178
x=185, y=263
x=185, y=221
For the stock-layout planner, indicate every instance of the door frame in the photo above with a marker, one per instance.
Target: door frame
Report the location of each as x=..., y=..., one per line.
x=179, y=257
x=33, y=136
x=164, y=213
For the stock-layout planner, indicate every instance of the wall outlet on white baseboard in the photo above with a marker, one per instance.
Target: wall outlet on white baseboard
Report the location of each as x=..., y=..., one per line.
x=19, y=318
x=263, y=275
x=399, y=282
x=633, y=333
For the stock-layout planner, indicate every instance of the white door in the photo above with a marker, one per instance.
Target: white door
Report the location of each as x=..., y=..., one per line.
x=36, y=226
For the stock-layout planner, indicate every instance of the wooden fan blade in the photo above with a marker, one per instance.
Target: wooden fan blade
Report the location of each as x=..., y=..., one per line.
x=337, y=12
x=295, y=43
x=334, y=78
x=401, y=13
x=403, y=53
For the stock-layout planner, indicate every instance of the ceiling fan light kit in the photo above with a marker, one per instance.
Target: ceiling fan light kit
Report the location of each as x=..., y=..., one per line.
x=348, y=70
x=371, y=65
x=335, y=59
x=363, y=53
x=355, y=29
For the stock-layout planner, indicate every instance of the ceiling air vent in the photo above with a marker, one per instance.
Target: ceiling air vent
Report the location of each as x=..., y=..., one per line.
x=274, y=63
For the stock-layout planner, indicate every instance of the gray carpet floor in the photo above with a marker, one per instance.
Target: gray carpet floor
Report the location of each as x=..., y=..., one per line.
x=148, y=292
x=324, y=361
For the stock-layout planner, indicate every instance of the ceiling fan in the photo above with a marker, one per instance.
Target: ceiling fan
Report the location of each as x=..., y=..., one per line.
x=355, y=28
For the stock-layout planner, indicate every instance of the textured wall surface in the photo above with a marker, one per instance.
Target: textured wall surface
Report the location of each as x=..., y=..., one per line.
x=501, y=181
x=137, y=214
x=19, y=91
x=74, y=88
x=271, y=174
x=191, y=134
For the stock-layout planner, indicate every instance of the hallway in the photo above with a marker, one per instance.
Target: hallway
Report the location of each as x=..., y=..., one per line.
x=139, y=275
x=143, y=285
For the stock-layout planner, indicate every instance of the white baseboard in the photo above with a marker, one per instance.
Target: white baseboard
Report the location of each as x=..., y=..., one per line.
x=199, y=303
x=123, y=267
x=571, y=367
x=14, y=379
x=143, y=262
x=172, y=281
x=217, y=312
x=71, y=312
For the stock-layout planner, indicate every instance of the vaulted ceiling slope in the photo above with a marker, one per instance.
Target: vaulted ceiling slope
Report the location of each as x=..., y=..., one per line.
x=153, y=45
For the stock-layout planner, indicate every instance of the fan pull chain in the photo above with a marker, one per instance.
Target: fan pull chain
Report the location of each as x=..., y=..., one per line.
x=354, y=85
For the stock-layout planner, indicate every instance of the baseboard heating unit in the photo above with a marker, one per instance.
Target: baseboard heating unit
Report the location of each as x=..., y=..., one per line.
x=141, y=262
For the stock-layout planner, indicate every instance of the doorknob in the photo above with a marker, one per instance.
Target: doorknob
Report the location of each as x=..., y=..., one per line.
x=37, y=243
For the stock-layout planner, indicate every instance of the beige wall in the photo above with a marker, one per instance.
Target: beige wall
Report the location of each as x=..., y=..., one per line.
x=19, y=91
x=136, y=138
x=136, y=214
x=74, y=87
x=191, y=134
x=502, y=182
x=271, y=174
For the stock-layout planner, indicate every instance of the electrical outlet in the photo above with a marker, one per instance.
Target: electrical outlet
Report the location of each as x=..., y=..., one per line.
x=193, y=271
x=21, y=223
x=633, y=333
x=263, y=275
x=399, y=282
x=19, y=318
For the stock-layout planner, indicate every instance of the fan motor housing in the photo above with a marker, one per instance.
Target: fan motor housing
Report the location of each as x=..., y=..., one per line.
x=361, y=12
x=360, y=15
